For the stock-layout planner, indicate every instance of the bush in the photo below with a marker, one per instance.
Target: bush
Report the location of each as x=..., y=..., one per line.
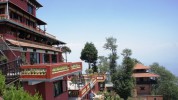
x=111, y=96
x=19, y=94
x=2, y=84
x=12, y=93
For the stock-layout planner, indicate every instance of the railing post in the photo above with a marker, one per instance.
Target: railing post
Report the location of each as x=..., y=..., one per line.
x=48, y=72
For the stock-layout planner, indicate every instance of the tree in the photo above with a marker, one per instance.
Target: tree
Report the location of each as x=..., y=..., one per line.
x=66, y=50
x=111, y=45
x=103, y=64
x=167, y=83
x=94, y=67
x=89, y=54
x=122, y=80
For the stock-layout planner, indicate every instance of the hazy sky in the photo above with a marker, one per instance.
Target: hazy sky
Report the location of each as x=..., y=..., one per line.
x=148, y=27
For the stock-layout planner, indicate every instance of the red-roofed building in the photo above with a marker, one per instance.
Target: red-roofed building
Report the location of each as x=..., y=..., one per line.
x=43, y=69
x=21, y=37
x=144, y=82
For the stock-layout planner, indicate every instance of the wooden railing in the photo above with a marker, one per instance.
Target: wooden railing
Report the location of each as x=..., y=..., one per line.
x=48, y=71
x=35, y=29
x=3, y=0
x=11, y=70
x=3, y=16
x=85, y=89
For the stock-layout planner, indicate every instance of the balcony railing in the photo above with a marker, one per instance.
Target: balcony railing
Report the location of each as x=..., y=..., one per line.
x=3, y=16
x=11, y=70
x=35, y=29
x=3, y=0
x=49, y=71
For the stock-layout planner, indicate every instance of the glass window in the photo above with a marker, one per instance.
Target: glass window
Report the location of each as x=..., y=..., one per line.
x=34, y=58
x=30, y=9
x=58, y=89
x=46, y=58
x=54, y=58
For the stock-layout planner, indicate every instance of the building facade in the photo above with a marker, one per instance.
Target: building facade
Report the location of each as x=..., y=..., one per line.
x=144, y=82
x=22, y=37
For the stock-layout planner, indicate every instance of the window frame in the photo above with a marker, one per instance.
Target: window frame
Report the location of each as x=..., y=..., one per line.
x=58, y=88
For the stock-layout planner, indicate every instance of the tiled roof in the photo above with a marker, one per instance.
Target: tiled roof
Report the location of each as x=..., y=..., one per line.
x=145, y=75
x=140, y=66
x=25, y=44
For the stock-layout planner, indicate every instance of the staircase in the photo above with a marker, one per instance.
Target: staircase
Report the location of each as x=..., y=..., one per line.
x=11, y=71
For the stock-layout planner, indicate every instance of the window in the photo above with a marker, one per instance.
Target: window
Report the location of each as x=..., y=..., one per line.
x=54, y=58
x=2, y=11
x=30, y=9
x=142, y=88
x=34, y=58
x=58, y=88
x=46, y=58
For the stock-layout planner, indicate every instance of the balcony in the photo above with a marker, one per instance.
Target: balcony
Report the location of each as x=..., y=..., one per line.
x=34, y=29
x=151, y=81
x=80, y=90
x=48, y=71
x=3, y=0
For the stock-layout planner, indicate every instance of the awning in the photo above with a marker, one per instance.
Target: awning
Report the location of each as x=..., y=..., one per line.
x=145, y=75
x=32, y=45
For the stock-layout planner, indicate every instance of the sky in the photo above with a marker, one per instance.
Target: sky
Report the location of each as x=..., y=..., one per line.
x=148, y=27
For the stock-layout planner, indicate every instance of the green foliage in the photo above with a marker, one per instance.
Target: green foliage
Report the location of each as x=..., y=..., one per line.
x=136, y=61
x=12, y=93
x=111, y=96
x=2, y=83
x=103, y=64
x=126, y=53
x=3, y=59
x=167, y=83
x=111, y=45
x=94, y=67
x=122, y=80
x=66, y=50
x=74, y=79
x=19, y=94
x=89, y=54
x=89, y=71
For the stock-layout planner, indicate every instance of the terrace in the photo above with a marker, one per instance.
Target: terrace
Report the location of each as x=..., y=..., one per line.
x=4, y=17
x=48, y=72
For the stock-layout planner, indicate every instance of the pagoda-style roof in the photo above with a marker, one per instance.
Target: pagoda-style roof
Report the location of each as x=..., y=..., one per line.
x=140, y=66
x=136, y=75
x=36, y=3
x=32, y=45
x=39, y=22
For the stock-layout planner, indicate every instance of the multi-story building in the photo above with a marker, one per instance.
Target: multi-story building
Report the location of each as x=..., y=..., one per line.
x=144, y=82
x=42, y=69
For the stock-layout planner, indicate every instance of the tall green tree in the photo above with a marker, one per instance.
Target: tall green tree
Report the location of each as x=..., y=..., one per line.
x=122, y=80
x=112, y=46
x=89, y=54
x=167, y=83
x=66, y=50
x=103, y=64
